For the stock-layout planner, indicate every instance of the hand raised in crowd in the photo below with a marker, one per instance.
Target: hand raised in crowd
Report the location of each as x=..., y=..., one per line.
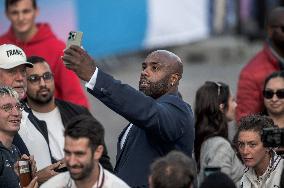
x=47, y=172
x=79, y=61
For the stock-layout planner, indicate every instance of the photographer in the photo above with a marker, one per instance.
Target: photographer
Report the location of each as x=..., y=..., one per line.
x=264, y=166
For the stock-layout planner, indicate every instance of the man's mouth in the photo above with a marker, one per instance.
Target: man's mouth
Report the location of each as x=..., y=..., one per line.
x=75, y=170
x=19, y=88
x=143, y=83
x=15, y=122
x=43, y=91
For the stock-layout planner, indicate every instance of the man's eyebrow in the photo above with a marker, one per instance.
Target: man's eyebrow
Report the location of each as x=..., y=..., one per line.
x=152, y=63
x=155, y=63
x=250, y=141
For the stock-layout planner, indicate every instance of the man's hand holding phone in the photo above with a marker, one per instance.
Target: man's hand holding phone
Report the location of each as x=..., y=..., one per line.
x=80, y=62
x=74, y=38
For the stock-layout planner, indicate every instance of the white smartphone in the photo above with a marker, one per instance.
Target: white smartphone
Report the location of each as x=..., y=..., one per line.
x=74, y=38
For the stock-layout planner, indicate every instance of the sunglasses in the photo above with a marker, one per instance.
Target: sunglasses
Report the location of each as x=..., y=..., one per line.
x=268, y=94
x=36, y=78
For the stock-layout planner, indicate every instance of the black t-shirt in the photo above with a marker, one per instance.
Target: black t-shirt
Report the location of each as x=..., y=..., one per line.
x=8, y=157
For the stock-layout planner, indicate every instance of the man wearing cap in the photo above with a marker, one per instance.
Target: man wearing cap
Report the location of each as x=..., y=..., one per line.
x=39, y=39
x=13, y=63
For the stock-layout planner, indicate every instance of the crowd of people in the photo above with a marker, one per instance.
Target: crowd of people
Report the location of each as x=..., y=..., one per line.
x=166, y=144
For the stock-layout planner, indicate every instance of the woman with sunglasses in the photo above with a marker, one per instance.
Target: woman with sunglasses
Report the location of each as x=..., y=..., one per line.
x=273, y=94
x=214, y=108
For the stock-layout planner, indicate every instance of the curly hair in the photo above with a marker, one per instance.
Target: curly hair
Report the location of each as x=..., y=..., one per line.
x=255, y=123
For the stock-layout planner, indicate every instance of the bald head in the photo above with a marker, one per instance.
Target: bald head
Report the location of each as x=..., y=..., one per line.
x=173, y=62
x=275, y=29
x=276, y=17
x=161, y=72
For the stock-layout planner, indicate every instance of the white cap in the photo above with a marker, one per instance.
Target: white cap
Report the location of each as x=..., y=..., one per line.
x=12, y=56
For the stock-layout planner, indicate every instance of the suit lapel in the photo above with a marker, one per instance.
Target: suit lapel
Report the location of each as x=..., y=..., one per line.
x=120, y=157
x=119, y=150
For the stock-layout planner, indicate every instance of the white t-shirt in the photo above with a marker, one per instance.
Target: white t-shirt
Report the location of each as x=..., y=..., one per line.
x=35, y=142
x=106, y=179
x=55, y=130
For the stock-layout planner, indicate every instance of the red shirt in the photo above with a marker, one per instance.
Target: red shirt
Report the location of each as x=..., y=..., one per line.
x=45, y=44
x=251, y=82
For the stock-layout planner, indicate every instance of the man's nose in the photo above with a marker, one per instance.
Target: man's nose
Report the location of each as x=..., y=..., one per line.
x=71, y=160
x=20, y=75
x=145, y=72
x=41, y=81
x=16, y=112
x=20, y=16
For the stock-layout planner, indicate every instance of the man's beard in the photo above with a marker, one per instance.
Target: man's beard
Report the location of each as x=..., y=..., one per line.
x=156, y=89
x=86, y=171
x=38, y=99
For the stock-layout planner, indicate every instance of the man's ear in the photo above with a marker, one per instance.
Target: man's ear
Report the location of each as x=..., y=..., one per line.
x=98, y=152
x=174, y=78
x=221, y=107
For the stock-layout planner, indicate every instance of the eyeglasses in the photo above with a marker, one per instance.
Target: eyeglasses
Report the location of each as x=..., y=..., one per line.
x=36, y=78
x=268, y=94
x=9, y=107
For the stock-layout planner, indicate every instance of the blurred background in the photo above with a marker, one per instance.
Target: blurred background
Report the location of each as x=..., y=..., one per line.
x=214, y=38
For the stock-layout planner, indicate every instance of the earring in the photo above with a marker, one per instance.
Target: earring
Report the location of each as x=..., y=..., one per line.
x=172, y=84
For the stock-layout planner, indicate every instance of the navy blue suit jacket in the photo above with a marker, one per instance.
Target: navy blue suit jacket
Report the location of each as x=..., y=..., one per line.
x=159, y=126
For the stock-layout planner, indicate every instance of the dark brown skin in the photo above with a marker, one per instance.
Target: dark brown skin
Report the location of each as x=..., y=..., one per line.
x=275, y=23
x=80, y=62
x=161, y=70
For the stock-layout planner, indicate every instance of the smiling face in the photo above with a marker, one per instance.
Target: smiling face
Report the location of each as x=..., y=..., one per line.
x=79, y=157
x=22, y=16
x=275, y=105
x=10, y=120
x=16, y=78
x=81, y=160
x=252, y=151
